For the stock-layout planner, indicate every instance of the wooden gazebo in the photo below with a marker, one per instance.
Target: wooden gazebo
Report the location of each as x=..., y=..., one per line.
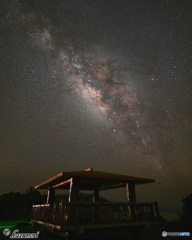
x=75, y=217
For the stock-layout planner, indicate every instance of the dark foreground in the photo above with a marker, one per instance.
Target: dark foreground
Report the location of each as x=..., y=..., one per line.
x=143, y=233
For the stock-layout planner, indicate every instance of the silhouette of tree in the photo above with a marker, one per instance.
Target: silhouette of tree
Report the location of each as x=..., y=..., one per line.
x=186, y=216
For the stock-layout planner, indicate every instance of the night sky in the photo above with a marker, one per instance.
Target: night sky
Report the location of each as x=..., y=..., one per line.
x=105, y=84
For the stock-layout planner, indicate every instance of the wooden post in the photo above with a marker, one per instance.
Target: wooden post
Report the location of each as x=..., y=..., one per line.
x=131, y=197
x=50, y=200
x=73, y=197
x=51, y=196
x=95, y=208
x=74, y=190
x=152, y=212
x=96, y=195
x=157, y=210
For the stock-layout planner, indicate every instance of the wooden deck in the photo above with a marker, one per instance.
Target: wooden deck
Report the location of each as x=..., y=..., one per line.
x=80, y=219
x=79, y=216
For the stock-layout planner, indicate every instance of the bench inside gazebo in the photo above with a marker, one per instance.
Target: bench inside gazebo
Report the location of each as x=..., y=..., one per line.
x=76, y=216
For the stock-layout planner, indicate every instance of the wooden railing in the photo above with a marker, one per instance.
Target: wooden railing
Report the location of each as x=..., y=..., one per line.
x=79, y=213
x=43, y=212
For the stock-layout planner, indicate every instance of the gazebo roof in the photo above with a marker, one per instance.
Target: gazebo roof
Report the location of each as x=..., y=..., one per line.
x=90, y=180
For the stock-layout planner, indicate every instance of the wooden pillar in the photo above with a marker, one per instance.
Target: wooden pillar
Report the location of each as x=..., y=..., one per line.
x=157, y=210
x=73, y=197
x=74, y=190
x=131, y=197
x=96, y=195
x=51, y=196
x=95, y=208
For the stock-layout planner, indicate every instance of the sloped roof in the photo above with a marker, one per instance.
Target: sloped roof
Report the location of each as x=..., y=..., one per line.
x=89, y=180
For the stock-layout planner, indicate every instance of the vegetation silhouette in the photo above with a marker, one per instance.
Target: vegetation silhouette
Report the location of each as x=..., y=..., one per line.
x=15, y=206
x=186, y=217
x=182, y=224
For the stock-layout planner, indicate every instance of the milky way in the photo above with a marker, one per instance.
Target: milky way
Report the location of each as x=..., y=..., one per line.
x=108, y=88
x=103, y=84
